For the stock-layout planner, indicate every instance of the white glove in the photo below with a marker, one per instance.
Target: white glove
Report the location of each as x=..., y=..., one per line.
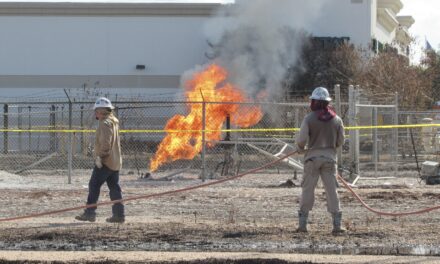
x=300, y=150
x=98, y=162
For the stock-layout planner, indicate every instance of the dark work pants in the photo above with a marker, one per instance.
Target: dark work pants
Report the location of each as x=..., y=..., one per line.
x=99, y=176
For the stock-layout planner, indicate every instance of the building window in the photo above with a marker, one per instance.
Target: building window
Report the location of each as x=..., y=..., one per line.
x=330, y=43
x=380, y=47
x=374, y=45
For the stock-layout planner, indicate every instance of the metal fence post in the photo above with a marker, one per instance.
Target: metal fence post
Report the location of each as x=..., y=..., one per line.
x=29, y=128
x=63, y=138
x=396, y=135
x=5, y=125
x=52, y=127
x=354, y=134
x=338, y=111
x=20, y=126
x=297, y=121
x=82, y=147
x=375, y=150
x=410, y=119
x=70, y=148
x=203, y=141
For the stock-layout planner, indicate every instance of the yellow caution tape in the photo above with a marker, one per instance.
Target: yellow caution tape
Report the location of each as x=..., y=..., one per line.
x=48, y=130
x=210, y=131
x=392, y=126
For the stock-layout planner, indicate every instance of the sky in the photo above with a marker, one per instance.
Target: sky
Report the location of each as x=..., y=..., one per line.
x=426, y=14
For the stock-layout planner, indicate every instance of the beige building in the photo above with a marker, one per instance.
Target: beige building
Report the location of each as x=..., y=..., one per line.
x=112, y=45
x=150, y=45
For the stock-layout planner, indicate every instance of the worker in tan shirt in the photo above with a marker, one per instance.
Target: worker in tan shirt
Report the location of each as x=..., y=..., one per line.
x=108, y=162
x=321, y=133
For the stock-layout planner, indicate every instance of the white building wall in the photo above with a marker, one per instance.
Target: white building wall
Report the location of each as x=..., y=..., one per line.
x=382, y=34
x=41, y=45
x=64, y=45
x=387, y=23
x=346, y=18
x=373, y=20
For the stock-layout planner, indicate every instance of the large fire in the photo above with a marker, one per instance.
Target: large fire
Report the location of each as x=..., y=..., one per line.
x=184, y=136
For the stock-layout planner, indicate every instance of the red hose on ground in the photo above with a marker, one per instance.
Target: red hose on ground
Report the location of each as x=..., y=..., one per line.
x=148, y=196
x=421, y=211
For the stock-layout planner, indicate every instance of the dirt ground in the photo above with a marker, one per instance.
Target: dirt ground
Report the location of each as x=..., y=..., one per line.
x=253, y=217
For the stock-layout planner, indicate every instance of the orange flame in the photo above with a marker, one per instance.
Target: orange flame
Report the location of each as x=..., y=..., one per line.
x=184, y=139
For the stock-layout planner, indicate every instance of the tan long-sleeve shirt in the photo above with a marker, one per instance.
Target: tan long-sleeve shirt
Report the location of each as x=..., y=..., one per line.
x=319, y=138
x=107, y=143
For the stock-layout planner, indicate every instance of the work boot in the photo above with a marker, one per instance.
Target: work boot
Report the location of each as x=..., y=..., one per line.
x=115, y=219
x=86, y=217
x=337, y=229
x=302, y=220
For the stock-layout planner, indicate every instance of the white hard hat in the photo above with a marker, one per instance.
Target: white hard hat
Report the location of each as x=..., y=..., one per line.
x=321, y=93
x=103, y=102
x=427, y=120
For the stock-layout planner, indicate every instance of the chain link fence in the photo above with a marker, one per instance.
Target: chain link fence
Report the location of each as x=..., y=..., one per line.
x=419, y=144
x=39, y=137
x=372, y=147
x=58, y=137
